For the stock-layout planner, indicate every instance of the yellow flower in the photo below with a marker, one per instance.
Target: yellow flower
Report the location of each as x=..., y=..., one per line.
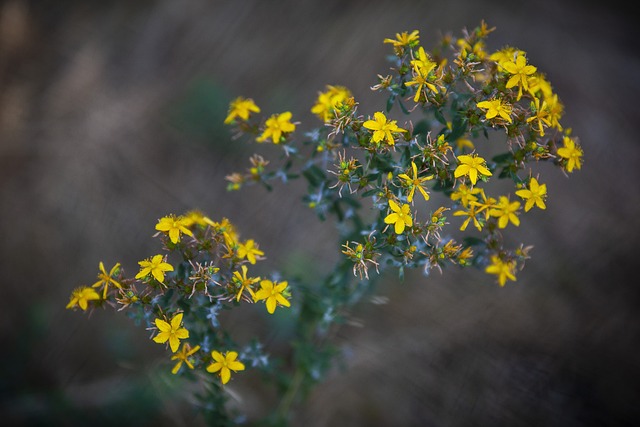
x=504, y=270
x=400, y=217
x=471, y=213
x=242, y=282
x=572, y=153
x=173, y=226
x=183, y=357
x=505, y=211
x=495, y=107
x=328, y=101
x=382, y=129
x=81, y=297
x=171, y=331
x=414, y=182
x=249, y=250
x=465, y=194
x=422, y=62
x=274, y=293
x=225, y=364
x=520, y=72
x=276, y=126
x=471, y=165
x=404, y=39
x=421, y=78
x=156, y=267
x=504, y=55
x=242, y=108
x=106, y=278
x=541, y=114
x=535, y=194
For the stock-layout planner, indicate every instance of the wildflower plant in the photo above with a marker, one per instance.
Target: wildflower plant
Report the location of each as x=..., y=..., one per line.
x=454, y=121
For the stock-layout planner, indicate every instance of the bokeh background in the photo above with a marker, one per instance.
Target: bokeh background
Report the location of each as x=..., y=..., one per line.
x=111, y=117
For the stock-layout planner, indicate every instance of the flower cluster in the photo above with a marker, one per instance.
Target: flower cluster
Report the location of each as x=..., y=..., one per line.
x=209, y=271
x=459, y=109
x=422, y=173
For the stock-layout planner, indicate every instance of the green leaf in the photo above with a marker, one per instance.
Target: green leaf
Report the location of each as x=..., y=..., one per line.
x=390, y=102
x=437, y=113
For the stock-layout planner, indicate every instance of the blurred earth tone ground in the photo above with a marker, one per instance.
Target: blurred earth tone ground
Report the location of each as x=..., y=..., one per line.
x=111, y=117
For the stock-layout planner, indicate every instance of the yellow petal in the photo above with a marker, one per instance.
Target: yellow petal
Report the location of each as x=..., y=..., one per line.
x=225, y=375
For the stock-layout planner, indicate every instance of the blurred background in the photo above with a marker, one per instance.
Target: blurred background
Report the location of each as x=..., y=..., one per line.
x=111, y=117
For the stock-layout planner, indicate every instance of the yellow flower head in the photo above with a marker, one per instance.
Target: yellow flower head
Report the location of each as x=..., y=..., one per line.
x=156, y=266
x=273, y=293
x=250, y=251
x=413, y=182
x=572, y=153
x=465, y=194
x=242, y=108
x=277, y=126
x=503, y=269
x=104, y=278
x=81, y=297
x=328, y=101
x=471, y=165
x=400, y=217
x=224, y=364
x=382, y=128
x=520, y=71
x=171, y=331
x=496, y=107
x=505, y=211
x=534, y=195
x=242, y=282
x=183, y=357
x=173, y=226
x=404, y=39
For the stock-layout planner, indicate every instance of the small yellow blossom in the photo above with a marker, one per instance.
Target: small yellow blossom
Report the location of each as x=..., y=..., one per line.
x=274, y=293
x=471, y=165
x=277, y=126
x=505, y=54
x=81, y=297
x=224, y=364
x=572, y=153
x=328, y=101
x=465, y=194
x=556, y=109
x=404, y=39
x=505, y=211
x=171, y=331
x=107, y=278
x=413, y=182
x=242, y=108
x=400, y=217
x=504, y=270
x=242, y=282
x=541, y=115
x=472, y=215
x=249, y=250
x=183, y=357
x=421, y=78
x=382, y=128
x=422, y=62
x=538, y=82
x=486, y=205
x=196, y=217
x=173, y=226
x=156, y=267
x=520, y=71
x=496, y=107
x=535, y=194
